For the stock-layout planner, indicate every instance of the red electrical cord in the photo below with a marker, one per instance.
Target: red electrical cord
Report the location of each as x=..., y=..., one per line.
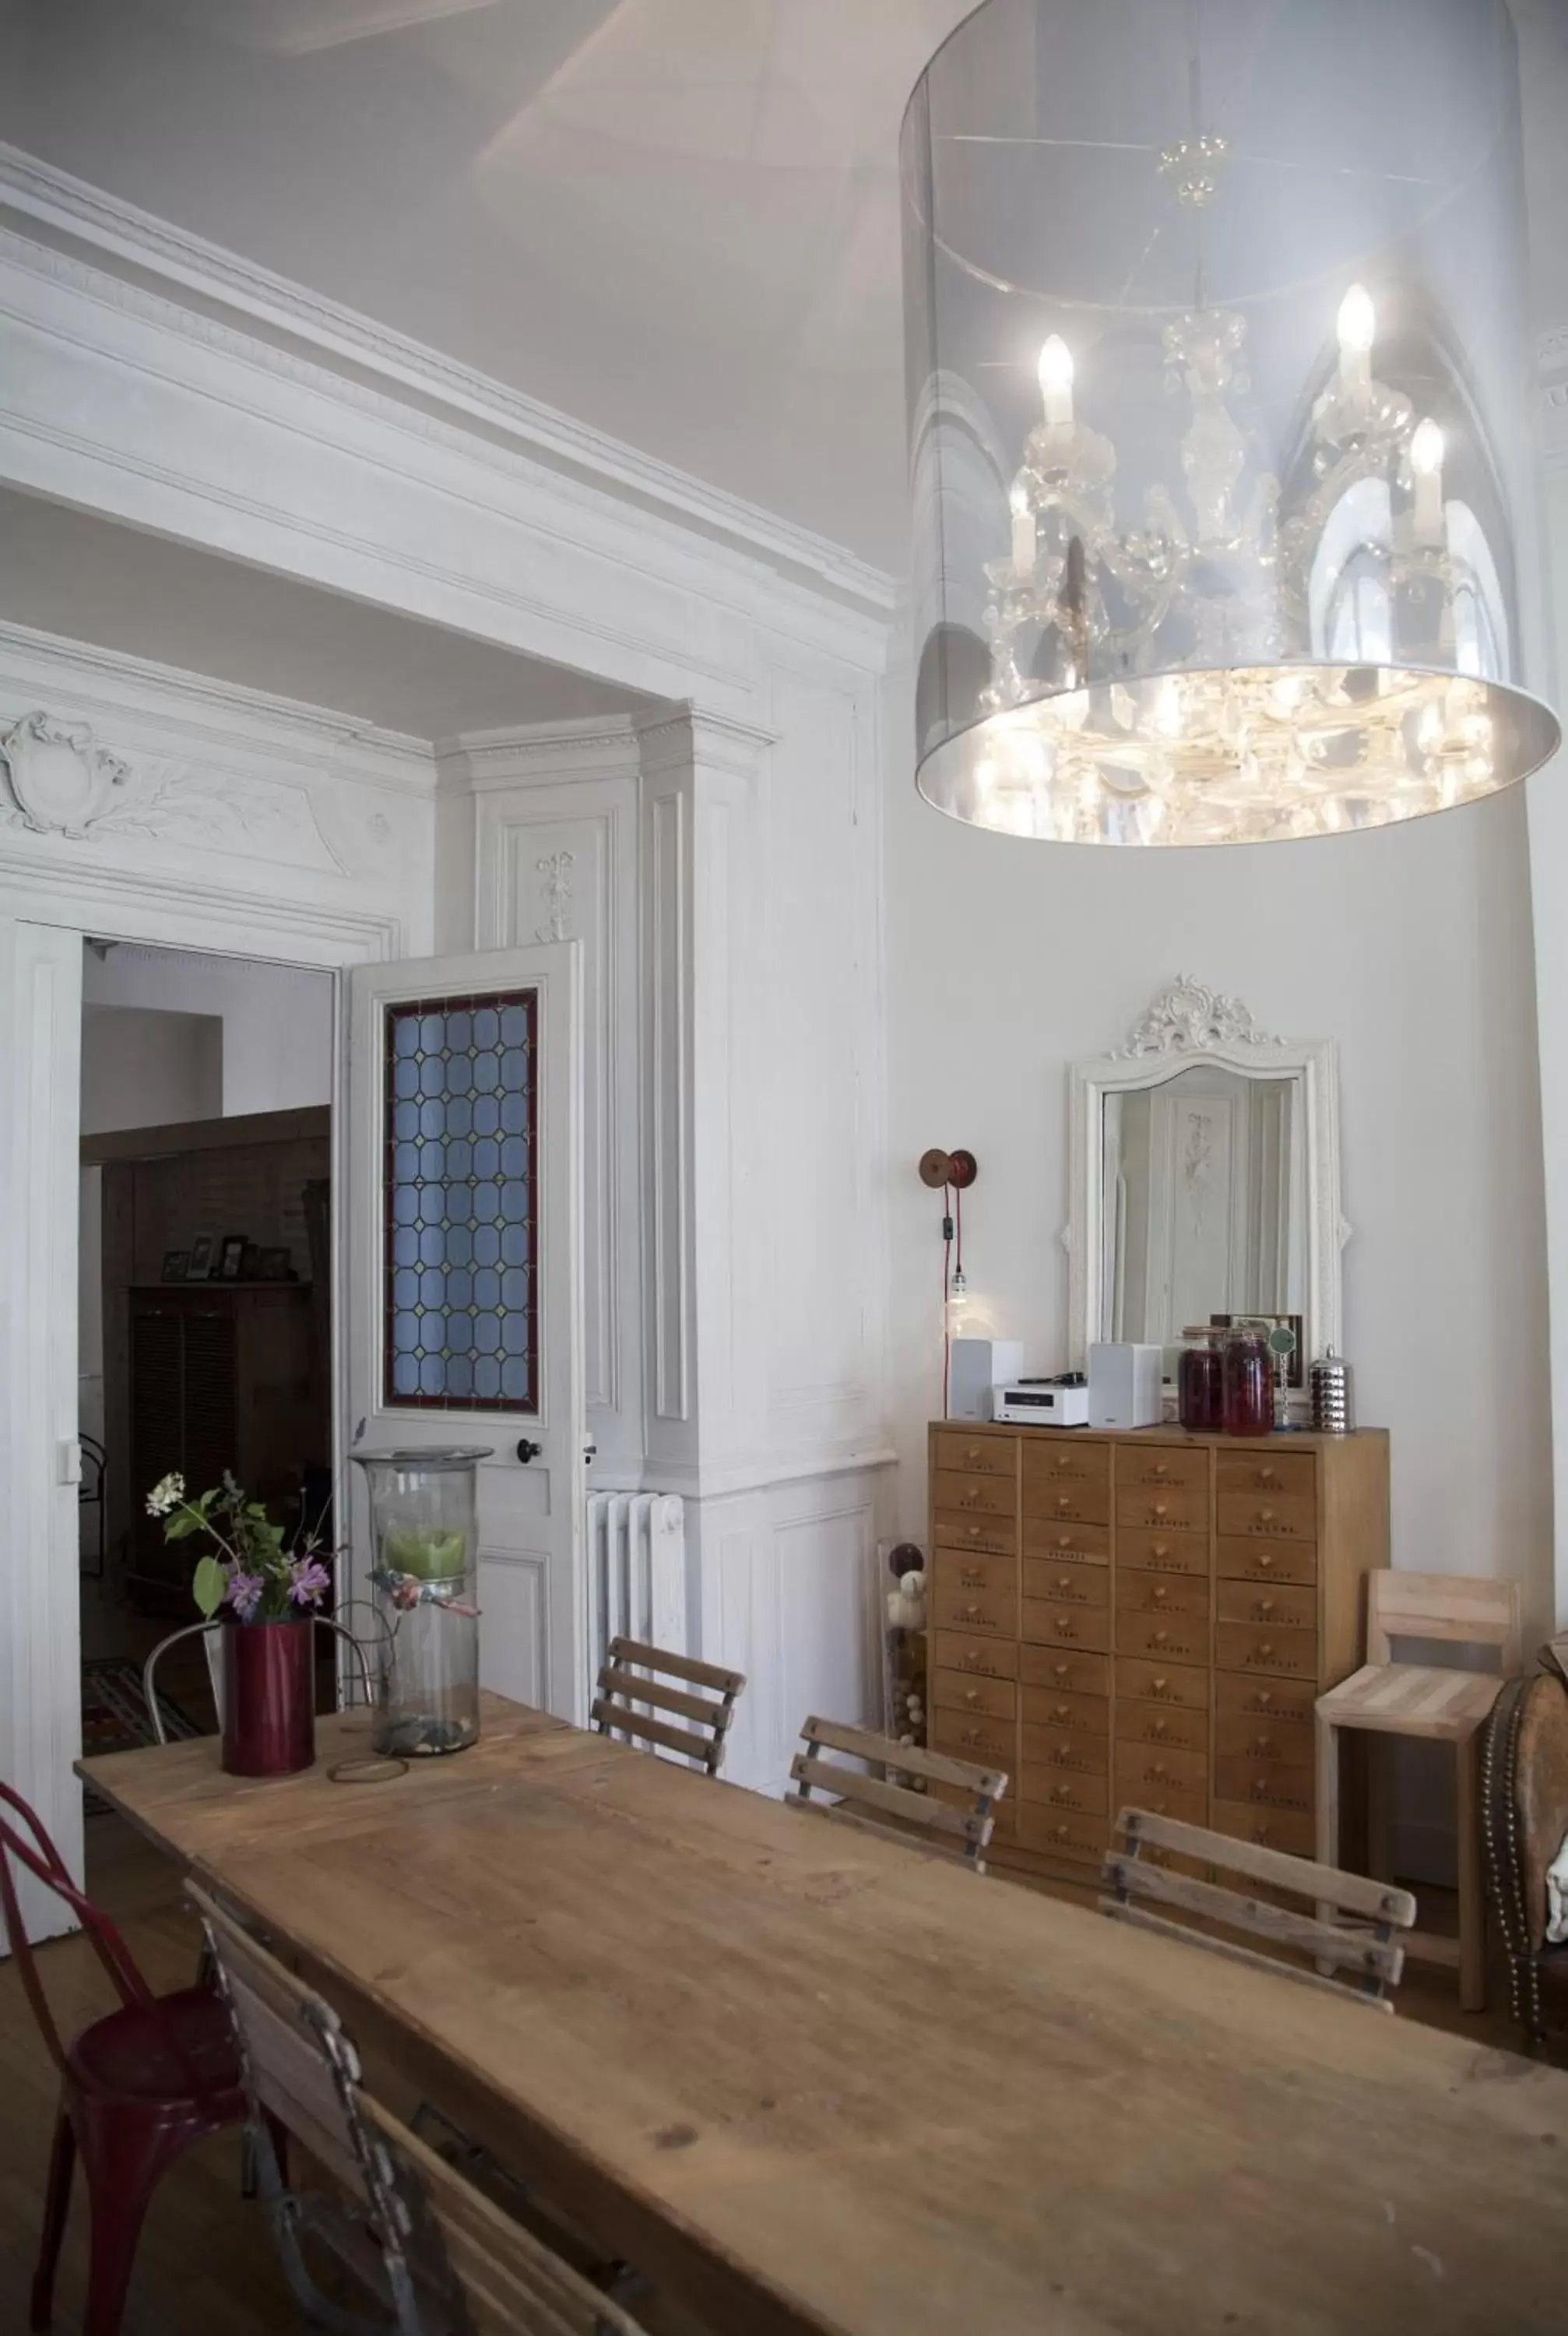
x=947, y=1265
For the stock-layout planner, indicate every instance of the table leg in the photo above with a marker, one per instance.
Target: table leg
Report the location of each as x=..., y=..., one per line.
x=1379, y=1757
x=1472, y=1896
x=1328, y=1746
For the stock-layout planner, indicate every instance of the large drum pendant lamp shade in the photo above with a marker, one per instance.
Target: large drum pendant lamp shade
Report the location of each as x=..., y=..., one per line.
x=1219, y=407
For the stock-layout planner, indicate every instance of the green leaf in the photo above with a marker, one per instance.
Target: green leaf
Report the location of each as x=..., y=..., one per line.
x=208, y=1585
x=182, y=1525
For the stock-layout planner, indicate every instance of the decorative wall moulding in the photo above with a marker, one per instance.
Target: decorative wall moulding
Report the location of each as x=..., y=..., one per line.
x=1189, y=1019
x=116, y=229
x=1554, y=395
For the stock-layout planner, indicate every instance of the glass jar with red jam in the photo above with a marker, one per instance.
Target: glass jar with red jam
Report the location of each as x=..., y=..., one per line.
x=1248, y=1370
x=1201, y=1384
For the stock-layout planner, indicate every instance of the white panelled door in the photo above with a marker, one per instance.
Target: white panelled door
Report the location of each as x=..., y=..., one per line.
x=464, y=1225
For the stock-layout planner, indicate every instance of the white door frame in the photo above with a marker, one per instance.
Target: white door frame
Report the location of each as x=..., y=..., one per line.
x=40, y=1601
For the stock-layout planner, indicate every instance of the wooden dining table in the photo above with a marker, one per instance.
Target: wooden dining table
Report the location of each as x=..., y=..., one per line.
x=809, y=2079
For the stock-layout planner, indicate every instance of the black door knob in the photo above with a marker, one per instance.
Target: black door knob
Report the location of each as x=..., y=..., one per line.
x=527, y=1451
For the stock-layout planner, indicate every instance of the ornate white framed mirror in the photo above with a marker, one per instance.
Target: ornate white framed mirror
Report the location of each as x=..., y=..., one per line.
x=1204, y=1181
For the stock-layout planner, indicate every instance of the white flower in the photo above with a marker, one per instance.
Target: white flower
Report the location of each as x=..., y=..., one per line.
x=166, y=1495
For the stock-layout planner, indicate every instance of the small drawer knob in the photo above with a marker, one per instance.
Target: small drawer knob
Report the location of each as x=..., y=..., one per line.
x=1061, y=1671
x=971, y=1695
x=1265, y=1516
x=1159, y=1638
x=1160, y=1729
x=1264, y=1697
x=1064, y=1504
x=1263, y=1609
x=1263, y=1745
x=1159, y=1472
x=1159, y=1509
x=1160, y=1549
x=1267, y=1476
x=1157, y=1769
x=973, y=1452
x=971, y=1613
x=1064, y=1540
x=1160, y=1593
x=1264, y=1560
x=1161, y=1685
x=974, y=1533
x=1266, y=1651
x=1060, y=1833
x=973, y=1578
x=1063, y=1582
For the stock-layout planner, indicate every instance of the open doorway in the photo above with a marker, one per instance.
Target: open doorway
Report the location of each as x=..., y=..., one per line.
x=205, y=1292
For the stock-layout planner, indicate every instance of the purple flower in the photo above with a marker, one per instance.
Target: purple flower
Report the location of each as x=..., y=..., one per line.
x=308, y=1580
x=244, y=1591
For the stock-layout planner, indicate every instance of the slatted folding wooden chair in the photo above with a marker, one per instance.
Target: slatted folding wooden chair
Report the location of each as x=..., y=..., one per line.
x=958, y=1827
x=1438, y=1702
x=629, y=1702
x=1352, y=1932
x=434, y=2255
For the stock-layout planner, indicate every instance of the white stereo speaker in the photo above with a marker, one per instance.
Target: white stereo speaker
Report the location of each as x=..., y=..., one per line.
x=1126, y=1387
x=975, y=1367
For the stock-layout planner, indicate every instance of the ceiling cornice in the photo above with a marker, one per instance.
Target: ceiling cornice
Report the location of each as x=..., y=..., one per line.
x=177, y=260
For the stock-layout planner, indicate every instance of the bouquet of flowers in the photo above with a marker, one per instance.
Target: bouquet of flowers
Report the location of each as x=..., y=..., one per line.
x=250, y=1570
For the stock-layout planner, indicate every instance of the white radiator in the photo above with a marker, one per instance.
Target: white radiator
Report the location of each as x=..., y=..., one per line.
x=636, y=1568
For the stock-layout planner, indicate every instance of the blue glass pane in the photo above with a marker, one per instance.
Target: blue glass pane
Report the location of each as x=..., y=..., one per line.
x=459, y=1151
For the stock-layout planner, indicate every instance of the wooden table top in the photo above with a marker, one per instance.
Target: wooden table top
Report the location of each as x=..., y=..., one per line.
x=812, y=2080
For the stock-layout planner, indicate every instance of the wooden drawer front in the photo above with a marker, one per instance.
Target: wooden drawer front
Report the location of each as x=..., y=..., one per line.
x=1077, y=1751
x=1177, y=1688
x=1192, y=1808
x=1265, y=1784
x=987, y=1698
x=1075, y=1544
x=1159, y=1730
x=1255, y=1739
x=965, y=1495
x=1143, y=1771
x=1238, y=1559
x=963, y=1568
x=1067, y=1585
x=996, y=1535
x=1053, y=1788
x=953, y=1609
x=1058, y=1708
x=1161, y=1466
x=1083, y=1838
x=1285, y=1829
x=993, y=1743
x=1264, y=1698
x=1063, y=1504
x=1283, y=1654
x=978, y=1455
x=1061, y=1666
x=1063, y=1465
x=1055, y=1625
x=1266, y=1473
x=956, y=1651
x=1269, y=1516
x=1182, y=1509
x=1279, y=1609
x=1164, y=1552
x=1177, y=1638
x=1151, y=1593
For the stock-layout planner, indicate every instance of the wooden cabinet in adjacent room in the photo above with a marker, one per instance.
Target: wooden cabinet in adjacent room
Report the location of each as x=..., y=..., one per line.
x=1145, y=1619
x=220, y=1377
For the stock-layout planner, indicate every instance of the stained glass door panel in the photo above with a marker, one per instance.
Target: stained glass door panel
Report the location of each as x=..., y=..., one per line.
x=461, y=1101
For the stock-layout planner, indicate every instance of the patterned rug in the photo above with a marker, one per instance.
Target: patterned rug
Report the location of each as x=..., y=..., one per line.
x=114, y=1716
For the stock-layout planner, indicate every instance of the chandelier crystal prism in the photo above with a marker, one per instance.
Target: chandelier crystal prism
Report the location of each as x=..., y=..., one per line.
x=1219, y=378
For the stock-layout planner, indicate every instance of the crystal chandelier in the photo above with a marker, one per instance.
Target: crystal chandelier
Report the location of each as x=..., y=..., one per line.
x=1276, y=597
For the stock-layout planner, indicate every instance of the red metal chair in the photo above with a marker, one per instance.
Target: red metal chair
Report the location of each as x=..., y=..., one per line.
x=136, y=2088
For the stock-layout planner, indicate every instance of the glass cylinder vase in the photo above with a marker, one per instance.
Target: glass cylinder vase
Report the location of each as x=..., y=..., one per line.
x=424, y=1531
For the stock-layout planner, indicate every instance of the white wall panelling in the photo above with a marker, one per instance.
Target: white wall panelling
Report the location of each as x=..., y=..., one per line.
x=719, y=864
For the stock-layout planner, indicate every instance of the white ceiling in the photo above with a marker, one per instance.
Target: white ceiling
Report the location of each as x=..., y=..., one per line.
x=676, y=219
x=68, y=571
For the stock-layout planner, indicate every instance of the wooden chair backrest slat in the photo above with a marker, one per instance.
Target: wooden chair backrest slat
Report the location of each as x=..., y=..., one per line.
x=1456, y=1608
x=628, y=1704
x=681, y=1666
x=278, y=2018
x=857, y=1797
x=512, y=2284
x=1371, y=1954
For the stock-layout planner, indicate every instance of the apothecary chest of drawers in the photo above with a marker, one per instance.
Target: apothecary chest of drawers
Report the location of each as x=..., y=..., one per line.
x=1145, y=1619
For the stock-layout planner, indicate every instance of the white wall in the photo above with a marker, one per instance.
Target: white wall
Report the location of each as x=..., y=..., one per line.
x=1414, y=950
x=276, y=1048
x=146, y=1068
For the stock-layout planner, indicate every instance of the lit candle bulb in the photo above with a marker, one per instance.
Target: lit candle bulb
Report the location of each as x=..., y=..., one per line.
x=1358, y=331
x=1056, y=372
x=1427, y=451
x=1023, y=531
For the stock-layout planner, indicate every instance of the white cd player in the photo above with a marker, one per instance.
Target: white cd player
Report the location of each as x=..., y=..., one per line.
x=1042, y=1403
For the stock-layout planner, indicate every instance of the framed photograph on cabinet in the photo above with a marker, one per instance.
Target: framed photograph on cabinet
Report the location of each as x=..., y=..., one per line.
x=203, y=1256
x=277, y=1265
x=176, y=1264
x=232, y=1262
